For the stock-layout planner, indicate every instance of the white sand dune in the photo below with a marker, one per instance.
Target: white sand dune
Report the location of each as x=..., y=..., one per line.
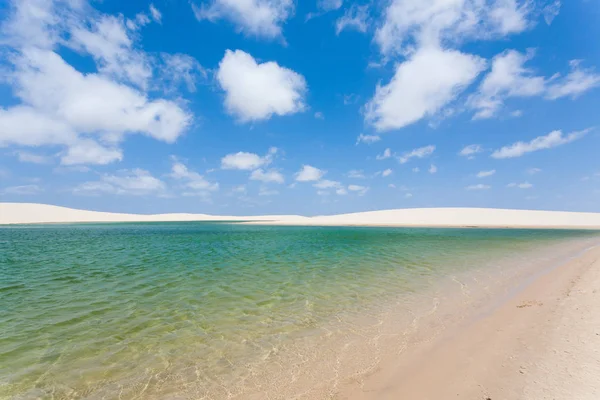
x=27, y=213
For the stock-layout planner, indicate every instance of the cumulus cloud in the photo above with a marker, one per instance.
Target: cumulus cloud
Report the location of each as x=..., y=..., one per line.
x=85, y=114
x=356, y=174
x=387, y=172
x=255, y=91
x=432, y=169
x=410, y=23
x=478, y=187
x=191, y=180
x=533, y=171
x=553, y=139
x=421, y=152
x=355, y=18
x=368, y=139
x=260, y=18
x=524, y=185
x=507, y=78
x=27, y=157
x=247, y=161
x=387, y=153
x=510, y=78
x=267, y=176
x=327, y=184
x=470, y=151
x=135, y=182
x=309, y=173
x=578, y=81
x=485, y=174
x=361, y=190
x=421, y=86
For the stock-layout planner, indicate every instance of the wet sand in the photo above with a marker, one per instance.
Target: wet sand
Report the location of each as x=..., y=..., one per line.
x=541, y=343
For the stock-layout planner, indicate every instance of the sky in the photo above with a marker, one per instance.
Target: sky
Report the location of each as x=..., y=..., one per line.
x=249, y=107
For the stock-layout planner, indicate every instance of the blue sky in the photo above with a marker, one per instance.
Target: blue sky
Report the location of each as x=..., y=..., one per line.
x=286, y=107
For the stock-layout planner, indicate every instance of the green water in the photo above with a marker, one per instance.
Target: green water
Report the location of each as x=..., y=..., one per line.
x=118, y=310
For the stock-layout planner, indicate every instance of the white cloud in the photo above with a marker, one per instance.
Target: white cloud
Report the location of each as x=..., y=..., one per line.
x=309, y=173
x=324, y=6
x=319, y=115
x=392, y=186
x=485, y=174
x=59, y=105
x=327, y=184
x=524, y=185
x=416, y=170
x=247, y=161
x=24, y=190
x=255, y=92
x=433, y=169
x=408, y=23
x=87, y=151
x=553, y=139
x=109, y=42
x=428, y=81
x=355, y=18
x=329, y=5
x=507, y=78
x=421, y=152
x=156, y=15
x=551, y=11
x=180, y=69
x=408, y=195
x=478, y=187
x=368, y=139
x=470, y=151
x=356, y=174
x=361, y=190
x=265, y=191
x=387, y=172
x=191, y=180
x=24, y=156
x=135, y=182
x=533, y=171
x=387, y=153
x=267, y=176
x=578, y=81
x=261, y=18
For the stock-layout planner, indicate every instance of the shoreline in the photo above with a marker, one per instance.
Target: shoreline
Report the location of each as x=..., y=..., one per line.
x=390, y=343
x=527, y=347
x=30, y=213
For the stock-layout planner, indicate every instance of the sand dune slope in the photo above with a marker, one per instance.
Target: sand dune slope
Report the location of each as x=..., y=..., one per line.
x=27, y=213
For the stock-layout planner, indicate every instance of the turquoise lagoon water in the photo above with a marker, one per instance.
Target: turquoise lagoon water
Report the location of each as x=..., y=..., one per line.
x=189, y=310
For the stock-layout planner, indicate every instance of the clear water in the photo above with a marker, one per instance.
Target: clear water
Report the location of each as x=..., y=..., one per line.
x=167, y=309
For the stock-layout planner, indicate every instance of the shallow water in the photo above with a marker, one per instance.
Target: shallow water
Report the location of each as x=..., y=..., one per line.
x=192, y=310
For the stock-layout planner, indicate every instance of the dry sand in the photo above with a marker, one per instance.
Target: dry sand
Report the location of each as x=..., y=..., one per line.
x=26, y=213
x=541, y=344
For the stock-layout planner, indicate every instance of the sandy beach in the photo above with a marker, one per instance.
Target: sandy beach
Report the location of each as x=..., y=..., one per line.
x=31, y=213
x=543, y=343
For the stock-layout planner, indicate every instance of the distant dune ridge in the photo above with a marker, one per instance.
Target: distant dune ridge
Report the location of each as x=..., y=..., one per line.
x=29, y=213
